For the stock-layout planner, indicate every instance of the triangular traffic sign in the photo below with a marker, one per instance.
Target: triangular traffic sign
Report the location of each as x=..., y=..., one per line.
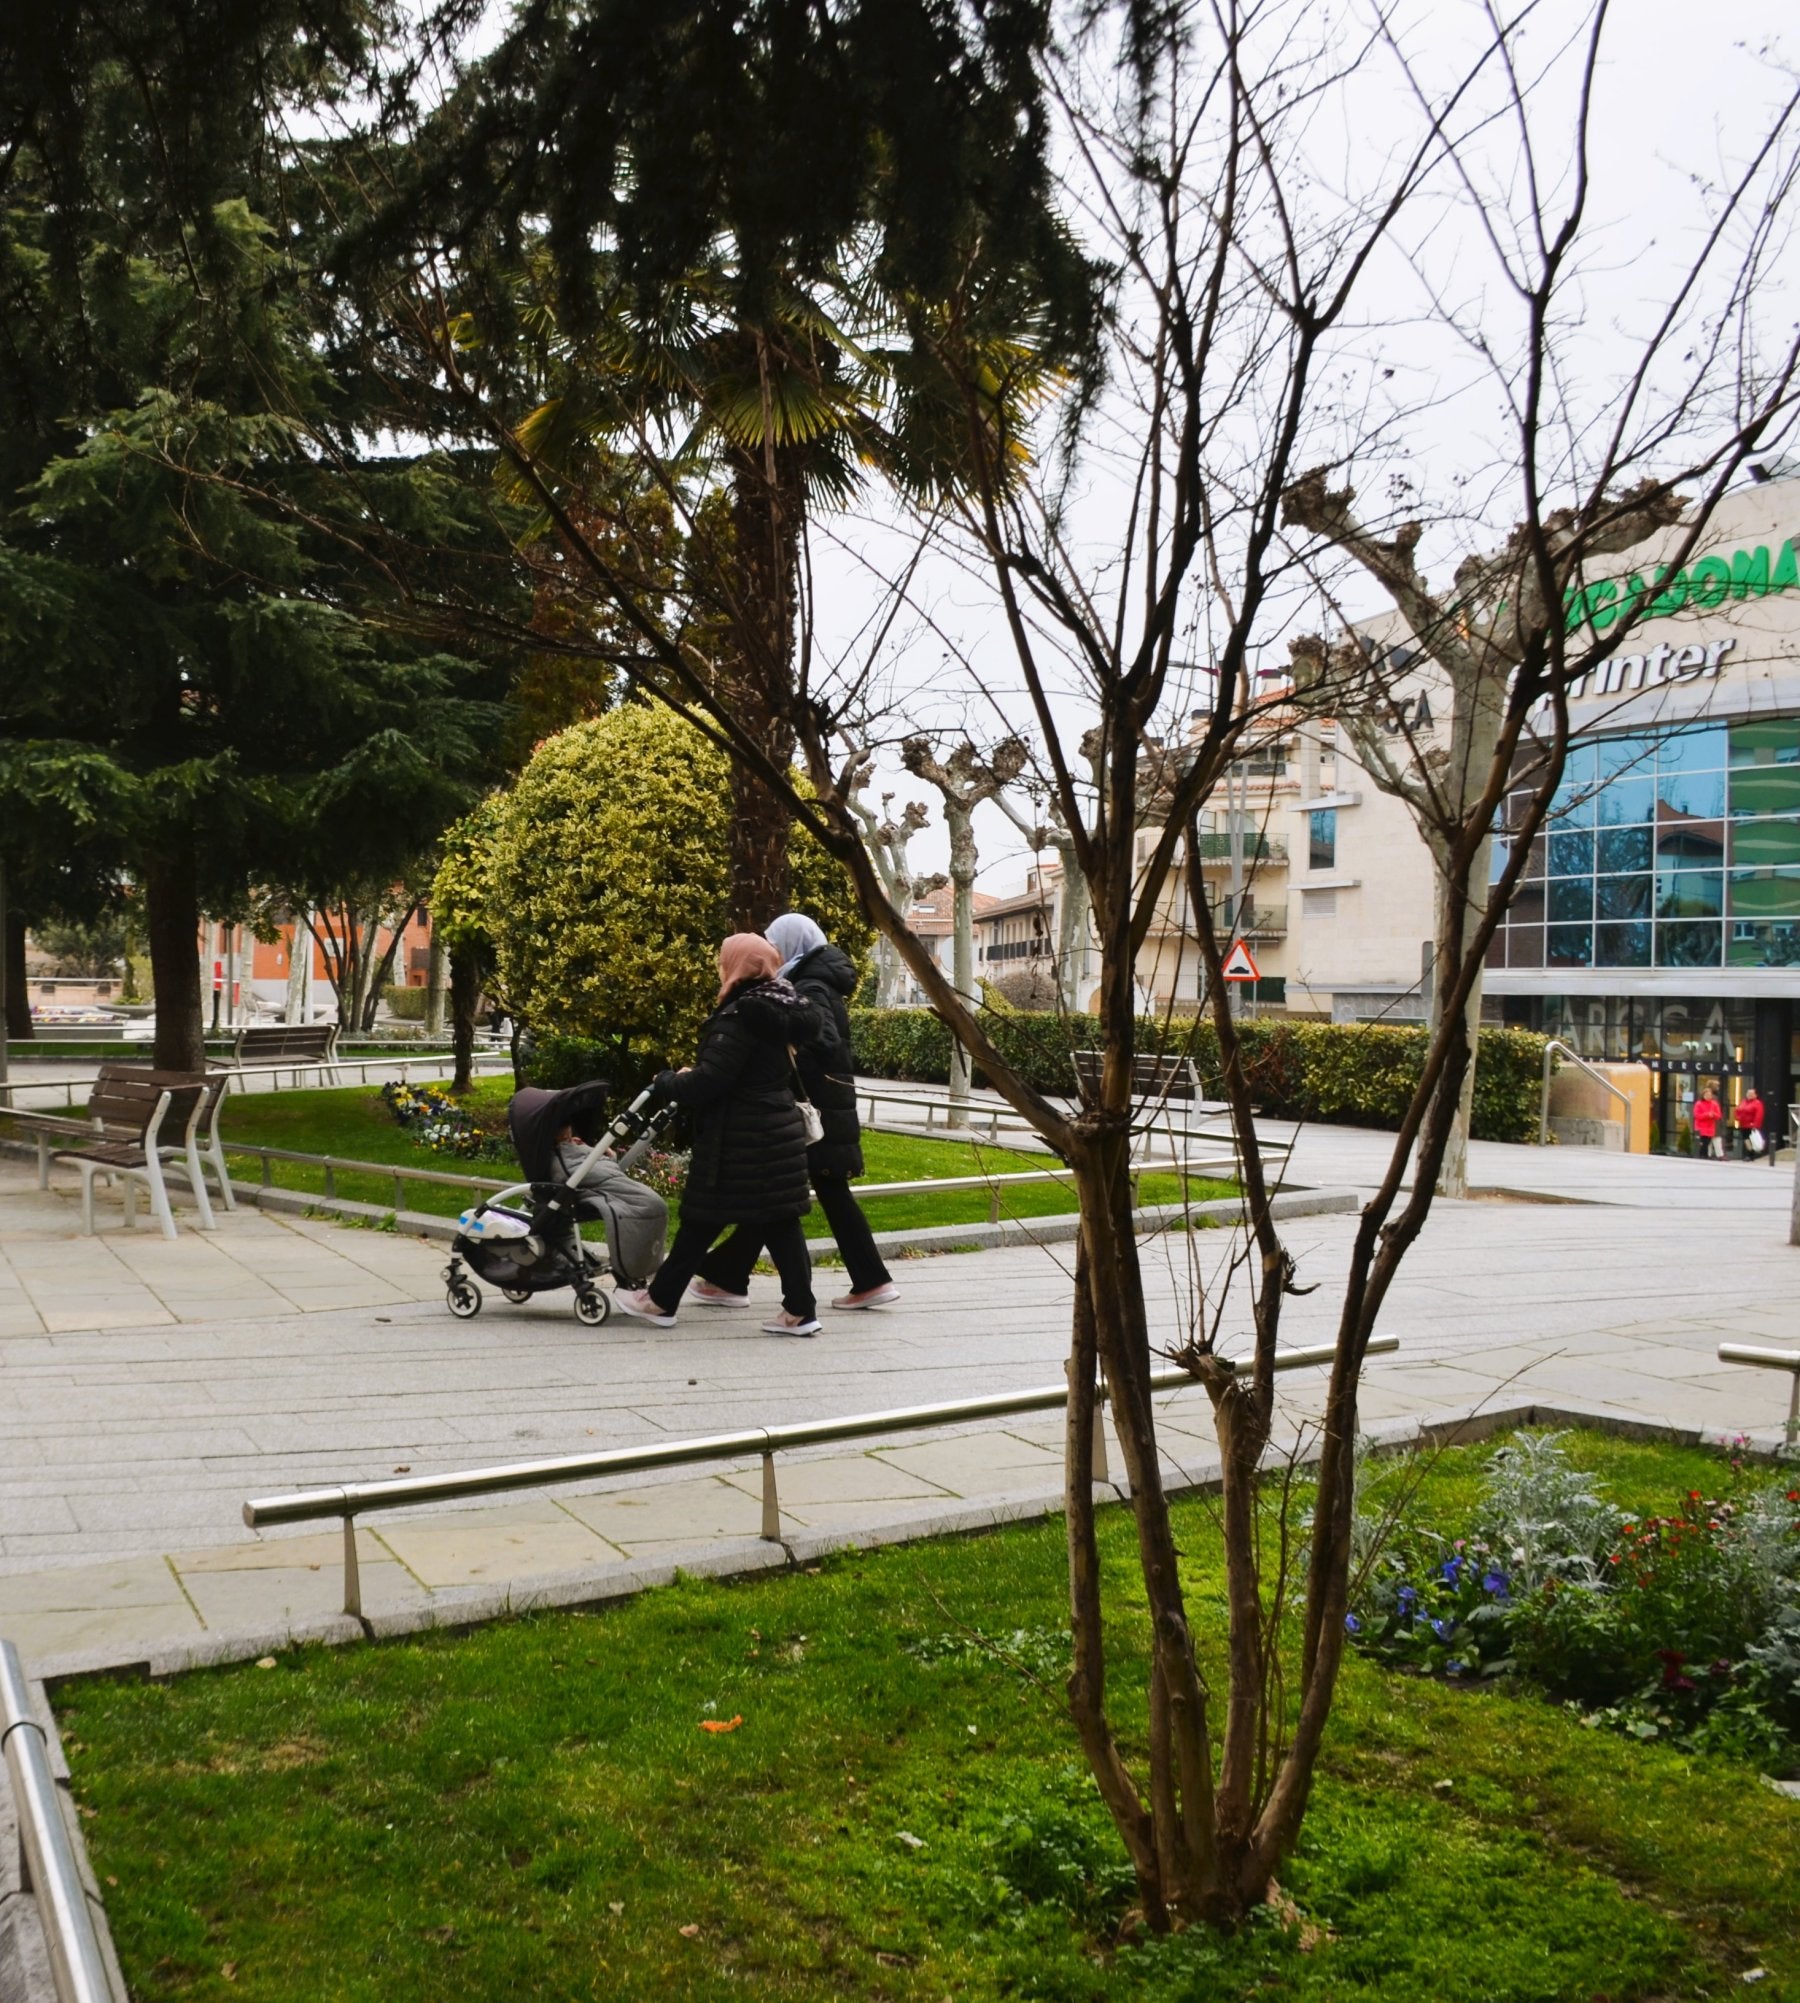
x=1238, y=964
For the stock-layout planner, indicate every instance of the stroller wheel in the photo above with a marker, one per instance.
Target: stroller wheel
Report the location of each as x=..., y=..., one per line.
x=517, y=1295
x=592, y=1307
x=463, y=1300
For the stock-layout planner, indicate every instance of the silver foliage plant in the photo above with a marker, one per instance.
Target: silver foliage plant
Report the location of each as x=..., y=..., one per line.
x=1544, y=1514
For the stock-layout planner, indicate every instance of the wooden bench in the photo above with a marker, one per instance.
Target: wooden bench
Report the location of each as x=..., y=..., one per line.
x=1153, y=1078
x=122, y=1137
x=275, y=1046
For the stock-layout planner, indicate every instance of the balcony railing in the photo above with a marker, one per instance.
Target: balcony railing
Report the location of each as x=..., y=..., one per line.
x=1256, y=848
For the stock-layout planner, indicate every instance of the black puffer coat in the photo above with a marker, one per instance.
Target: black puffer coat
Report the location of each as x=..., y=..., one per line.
x=827, y=978
x=749, y=1164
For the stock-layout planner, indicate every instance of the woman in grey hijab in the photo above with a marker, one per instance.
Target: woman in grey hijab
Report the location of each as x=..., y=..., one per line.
x=826, y=976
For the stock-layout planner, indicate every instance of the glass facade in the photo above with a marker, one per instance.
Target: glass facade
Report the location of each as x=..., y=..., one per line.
x=1680, y=849
x=1321, y=847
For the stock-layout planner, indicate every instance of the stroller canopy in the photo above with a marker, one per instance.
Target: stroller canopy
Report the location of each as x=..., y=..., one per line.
x=535, y=1117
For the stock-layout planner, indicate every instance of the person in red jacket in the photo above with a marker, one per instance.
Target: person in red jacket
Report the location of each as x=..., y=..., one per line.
x=1706, y=1116
x=1747, y=1117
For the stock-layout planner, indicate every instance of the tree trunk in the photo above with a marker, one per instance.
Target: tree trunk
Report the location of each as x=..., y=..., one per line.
x=172, y=921
x=299, y=981
x=18, y=996
x=767, y=511
x=434, y=987
x=465, y=1000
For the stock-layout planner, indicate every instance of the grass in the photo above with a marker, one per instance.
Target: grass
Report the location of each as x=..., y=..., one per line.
x=532, y=1810
x=354, y=1125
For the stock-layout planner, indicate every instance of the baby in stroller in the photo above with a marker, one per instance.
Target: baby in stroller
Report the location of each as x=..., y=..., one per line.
x=527, y=1239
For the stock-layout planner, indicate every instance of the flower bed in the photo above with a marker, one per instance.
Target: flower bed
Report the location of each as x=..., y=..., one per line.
x=442, y=1124
x=1682, y=1625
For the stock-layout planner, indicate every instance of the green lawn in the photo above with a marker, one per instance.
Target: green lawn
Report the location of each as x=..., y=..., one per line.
x=354, y=1125
x=532, y=1810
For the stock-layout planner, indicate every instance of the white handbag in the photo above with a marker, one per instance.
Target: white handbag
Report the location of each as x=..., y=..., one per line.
x=811, y=1119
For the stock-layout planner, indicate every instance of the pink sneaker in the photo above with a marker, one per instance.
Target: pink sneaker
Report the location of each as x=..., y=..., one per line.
x=636, y=1301
x=870, y=1297
x=791, y=1324
x=710, y=1296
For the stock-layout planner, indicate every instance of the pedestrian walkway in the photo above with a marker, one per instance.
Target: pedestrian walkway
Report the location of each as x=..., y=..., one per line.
x=283, y=1353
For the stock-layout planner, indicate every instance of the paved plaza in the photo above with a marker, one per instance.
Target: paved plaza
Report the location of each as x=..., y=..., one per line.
x=148, y=1388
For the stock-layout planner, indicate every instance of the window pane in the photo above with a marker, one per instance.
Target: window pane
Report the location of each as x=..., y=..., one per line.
x=1571, y=855
x=1687, y=945
x=1696, y=796
x=1622, y=945
x=1776, y=743
x=1571, y=899
x=1569, y=945
x=1527, y=907
x=1627, y=801
x=1689, y=893
x=1768, y=842
x=1635, y=757
x=1776, y=945
x=1692, y=750
x=1322, y=838
x=1685, y=844
x=1525, y=945
x=1573, y=806
x=1765, y=893
x=1622, y=848
x=1765, y=789
x=1622, y=897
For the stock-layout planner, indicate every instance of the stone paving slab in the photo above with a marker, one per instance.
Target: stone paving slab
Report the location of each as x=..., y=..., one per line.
x=130, y=1438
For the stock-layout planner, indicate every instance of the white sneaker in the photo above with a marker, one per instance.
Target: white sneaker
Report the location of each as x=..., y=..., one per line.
x=715, y=1297
x=791, y=1324
x=870, y=1297
x=636, y=1301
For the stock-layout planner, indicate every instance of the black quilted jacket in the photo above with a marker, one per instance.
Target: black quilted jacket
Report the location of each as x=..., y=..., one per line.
x=749, y=1164
x=827, y=978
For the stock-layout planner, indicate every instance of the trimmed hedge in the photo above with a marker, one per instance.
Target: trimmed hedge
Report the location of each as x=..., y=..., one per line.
x=1357, y=1074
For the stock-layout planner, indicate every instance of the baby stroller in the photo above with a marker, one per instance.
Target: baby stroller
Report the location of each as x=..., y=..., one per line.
x=527, y=1240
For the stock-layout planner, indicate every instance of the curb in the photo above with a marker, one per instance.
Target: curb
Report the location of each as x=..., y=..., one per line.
x=934, y=1238
x=462, y=1607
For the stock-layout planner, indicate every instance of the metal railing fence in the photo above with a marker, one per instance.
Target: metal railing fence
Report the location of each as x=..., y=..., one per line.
x=1760, y=1358
x=293, y=1068
x=77, y=1965
x=355, y=1499
x=1553, y=1049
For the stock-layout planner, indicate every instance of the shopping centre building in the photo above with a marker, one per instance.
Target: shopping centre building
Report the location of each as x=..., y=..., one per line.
x=1658, y=921
x=1657, y=927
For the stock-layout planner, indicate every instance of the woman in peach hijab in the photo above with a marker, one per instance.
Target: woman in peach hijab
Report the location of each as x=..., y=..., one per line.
x=749, y=1161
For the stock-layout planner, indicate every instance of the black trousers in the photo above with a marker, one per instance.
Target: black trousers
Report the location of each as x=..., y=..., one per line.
x=728, y=1265
x=787, y=1247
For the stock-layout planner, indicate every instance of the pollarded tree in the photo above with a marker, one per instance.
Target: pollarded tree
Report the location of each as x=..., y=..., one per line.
x=609, y=885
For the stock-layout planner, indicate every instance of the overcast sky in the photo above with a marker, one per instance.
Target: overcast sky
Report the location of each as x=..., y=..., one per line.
x=1683, y=94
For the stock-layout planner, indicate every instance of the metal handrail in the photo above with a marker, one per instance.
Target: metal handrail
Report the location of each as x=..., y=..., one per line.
x=1575, y=1057
x=336, y=1165
x=995, y=1115
x=77, y=1965
x=360, y=1498
x=68, y=1087
x=1770, y=1359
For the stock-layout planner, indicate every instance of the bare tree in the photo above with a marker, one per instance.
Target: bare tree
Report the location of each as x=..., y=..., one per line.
x=887, y=839
x=965, y=779
x=1440, y=770
x=1073, y=906
x=1248, y=282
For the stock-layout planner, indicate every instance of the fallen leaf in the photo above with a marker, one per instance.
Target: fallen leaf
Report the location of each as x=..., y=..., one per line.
x=615, y=1905
x=229, y=1971
x=911, y=1841
x=111, y=1880
x=405, y=1467
x=265, y=1662
x=721, y=1724
x=688, y=1932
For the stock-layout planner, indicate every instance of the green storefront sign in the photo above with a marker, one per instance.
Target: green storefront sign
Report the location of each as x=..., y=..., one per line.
x=1707, y=581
